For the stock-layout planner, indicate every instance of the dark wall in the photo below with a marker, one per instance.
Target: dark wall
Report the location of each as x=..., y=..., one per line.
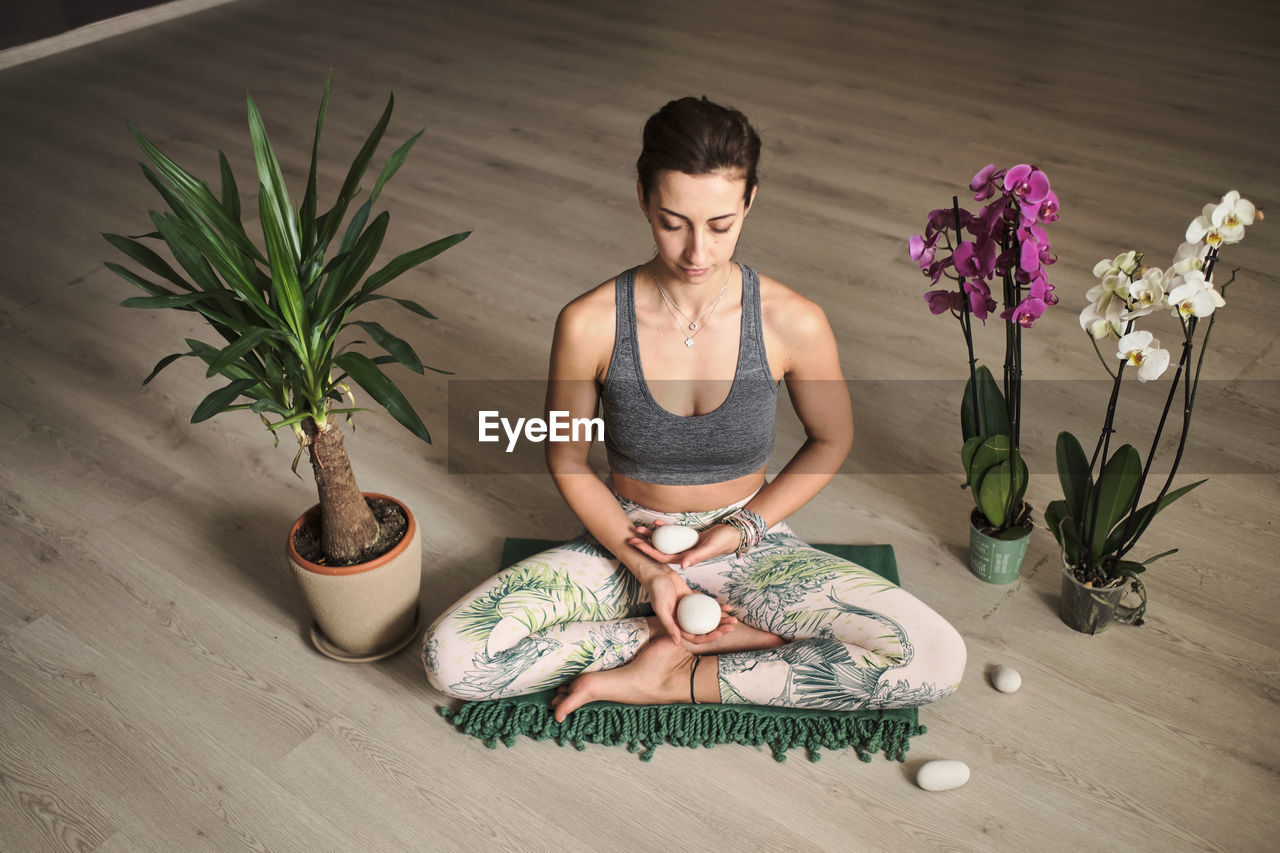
x=22, y=21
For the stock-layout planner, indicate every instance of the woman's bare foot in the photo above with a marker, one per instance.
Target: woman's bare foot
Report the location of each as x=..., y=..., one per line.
x=657, y=675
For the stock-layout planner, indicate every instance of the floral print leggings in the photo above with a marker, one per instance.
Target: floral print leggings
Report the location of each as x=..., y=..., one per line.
x=854, y=640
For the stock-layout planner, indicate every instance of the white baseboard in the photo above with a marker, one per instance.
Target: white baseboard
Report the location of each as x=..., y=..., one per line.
x=99, y=30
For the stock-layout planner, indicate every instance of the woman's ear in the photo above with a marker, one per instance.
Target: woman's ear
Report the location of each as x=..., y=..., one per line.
x=751, y=200
x=644, y=205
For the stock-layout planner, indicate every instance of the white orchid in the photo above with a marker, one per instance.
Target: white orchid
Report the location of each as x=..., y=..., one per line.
x=1101, y=320
x=1114, y=275
x=1194, y=296
x=1143, y=351
x=1223, y=222
x=1190, y=256
x=1146, y=294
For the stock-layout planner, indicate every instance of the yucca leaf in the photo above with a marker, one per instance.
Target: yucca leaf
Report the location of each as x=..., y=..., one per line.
x=232, y=353
x=176, y=235
x=397, y=347
x=221, y=399
x=149, y=259
x=393, y=164
x=138, y=281
x=230, y=192
x=209, y=354
x=308, y=212
x=409, y=260
x=174, y=300
x=1115, y=493
x=200, y=199
x=359, y=166
x=188, y=245
x=405, y=303
x=354, y=228
x=271, y=185
x=284, y=273
x=371, y=378
x=163, y=363
x=344, y=279
x=266, y=405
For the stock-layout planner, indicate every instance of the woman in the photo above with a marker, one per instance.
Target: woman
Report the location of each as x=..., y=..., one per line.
x=684, y=354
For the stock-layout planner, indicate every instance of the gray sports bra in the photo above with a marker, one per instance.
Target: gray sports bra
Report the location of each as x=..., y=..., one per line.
x=646, y=442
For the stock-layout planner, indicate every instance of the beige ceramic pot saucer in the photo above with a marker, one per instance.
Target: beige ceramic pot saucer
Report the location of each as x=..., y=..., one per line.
x=328, y=649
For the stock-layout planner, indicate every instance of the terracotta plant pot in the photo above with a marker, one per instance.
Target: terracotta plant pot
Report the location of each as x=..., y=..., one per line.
x=369, y=610
x=996, y=558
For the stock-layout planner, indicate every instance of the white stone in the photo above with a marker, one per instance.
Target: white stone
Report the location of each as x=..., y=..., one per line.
x=1005, y=679
x=942, y=775
x=698, y=613
x=673, y=538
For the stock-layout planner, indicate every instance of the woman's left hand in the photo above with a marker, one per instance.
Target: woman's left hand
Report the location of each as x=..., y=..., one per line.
x=716, y=540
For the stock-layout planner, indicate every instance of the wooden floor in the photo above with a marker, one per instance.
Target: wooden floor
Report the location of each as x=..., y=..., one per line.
x=156, y=688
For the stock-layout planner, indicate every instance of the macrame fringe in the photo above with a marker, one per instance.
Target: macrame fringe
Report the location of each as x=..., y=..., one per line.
x=642, y=728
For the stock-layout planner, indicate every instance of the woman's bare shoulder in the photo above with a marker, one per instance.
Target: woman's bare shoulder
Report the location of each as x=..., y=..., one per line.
x=789, y=311
x=591, y=313
x=584, y=334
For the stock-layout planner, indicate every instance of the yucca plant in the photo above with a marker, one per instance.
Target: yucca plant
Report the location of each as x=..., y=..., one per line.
x=280, y=312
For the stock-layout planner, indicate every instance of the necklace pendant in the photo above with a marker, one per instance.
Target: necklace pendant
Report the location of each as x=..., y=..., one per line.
x=693, y=327
x=688, y=342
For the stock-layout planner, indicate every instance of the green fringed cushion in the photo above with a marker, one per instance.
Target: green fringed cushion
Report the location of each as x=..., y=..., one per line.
x=642, y=728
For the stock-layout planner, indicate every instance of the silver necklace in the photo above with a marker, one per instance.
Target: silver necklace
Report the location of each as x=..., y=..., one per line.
x=674, y=309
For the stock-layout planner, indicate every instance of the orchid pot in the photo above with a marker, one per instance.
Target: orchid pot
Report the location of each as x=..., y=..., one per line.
x=995, y=556
x=1092, y=609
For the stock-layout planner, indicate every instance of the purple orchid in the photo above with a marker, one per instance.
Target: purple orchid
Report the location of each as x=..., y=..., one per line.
x=985, y=183
x=980, y=301
x=921, y=250
x=1026, y=312
x=976, y=259
x=1029, y=185
x=941, y=301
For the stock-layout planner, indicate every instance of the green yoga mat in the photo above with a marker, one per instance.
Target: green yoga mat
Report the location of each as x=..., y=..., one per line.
x=642, y=728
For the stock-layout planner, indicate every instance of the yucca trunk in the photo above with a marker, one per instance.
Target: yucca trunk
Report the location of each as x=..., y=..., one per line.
x=347, y=526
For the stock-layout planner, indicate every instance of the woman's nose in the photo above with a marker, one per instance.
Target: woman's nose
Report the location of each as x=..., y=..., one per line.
x=696, y=249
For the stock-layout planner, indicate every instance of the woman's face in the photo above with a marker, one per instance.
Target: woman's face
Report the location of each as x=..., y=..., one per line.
x=696, y=220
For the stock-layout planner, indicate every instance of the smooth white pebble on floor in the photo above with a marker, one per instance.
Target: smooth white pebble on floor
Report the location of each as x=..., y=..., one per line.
x=1005, y=679
x=698, y=613
x=674, y=538
x=942, y=775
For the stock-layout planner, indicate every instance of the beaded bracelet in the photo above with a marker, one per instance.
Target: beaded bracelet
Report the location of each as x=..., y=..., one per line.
x=750, y=526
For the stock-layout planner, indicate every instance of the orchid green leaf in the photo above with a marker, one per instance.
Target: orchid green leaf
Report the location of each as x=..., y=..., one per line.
x=1115, y=493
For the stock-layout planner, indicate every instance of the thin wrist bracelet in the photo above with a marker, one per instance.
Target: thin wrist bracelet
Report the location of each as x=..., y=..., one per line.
x=750, y=526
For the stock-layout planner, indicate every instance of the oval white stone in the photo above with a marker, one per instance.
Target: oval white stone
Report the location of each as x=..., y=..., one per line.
x=1005, y=679
x=673, y=538
x=698, y=613
x=942, y=775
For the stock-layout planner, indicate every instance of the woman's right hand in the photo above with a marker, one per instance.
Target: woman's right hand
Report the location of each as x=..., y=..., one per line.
x=666, y=587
